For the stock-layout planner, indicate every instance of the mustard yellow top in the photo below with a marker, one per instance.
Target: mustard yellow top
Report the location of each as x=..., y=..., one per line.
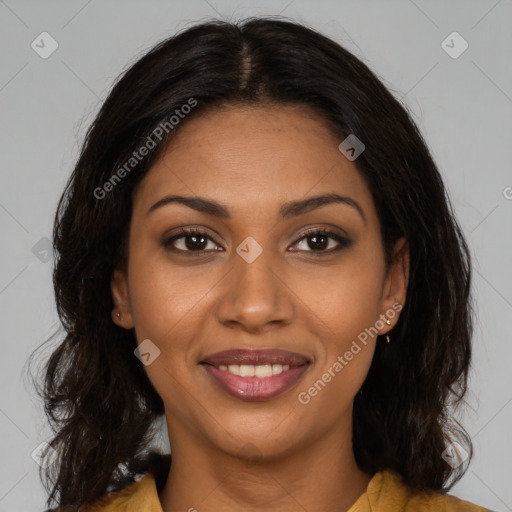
x=385, y=493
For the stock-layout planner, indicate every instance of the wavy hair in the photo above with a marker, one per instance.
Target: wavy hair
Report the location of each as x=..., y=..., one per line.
x=97, y=396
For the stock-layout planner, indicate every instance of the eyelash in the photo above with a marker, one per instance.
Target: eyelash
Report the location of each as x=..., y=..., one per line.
x=184, y=232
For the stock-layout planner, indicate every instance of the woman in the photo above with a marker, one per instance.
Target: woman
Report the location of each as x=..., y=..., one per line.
x=256, y=244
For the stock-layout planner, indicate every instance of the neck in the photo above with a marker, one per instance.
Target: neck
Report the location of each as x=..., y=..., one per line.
x=322, y=476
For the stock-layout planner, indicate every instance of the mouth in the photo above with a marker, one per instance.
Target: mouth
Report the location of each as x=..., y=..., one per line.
x=255, y=374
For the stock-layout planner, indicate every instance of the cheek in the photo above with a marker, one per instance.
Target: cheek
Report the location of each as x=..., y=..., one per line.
x=348, y=342
x=345, y=304
x=163, y=298
x=346, y=297
x=165, y=306
x=169, y=308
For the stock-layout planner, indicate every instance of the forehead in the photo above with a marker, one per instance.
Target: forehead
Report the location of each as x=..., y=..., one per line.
x=263, y=153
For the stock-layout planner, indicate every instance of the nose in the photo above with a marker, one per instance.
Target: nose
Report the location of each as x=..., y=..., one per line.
x=254, y=296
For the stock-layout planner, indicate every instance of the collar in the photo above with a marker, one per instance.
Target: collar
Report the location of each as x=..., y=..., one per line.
x=386, y=492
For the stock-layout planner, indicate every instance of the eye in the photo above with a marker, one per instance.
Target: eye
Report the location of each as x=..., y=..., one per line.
x=194, y=240
x=320, y=241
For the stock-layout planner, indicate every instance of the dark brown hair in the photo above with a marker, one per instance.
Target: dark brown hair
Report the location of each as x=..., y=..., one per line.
x=97, y=395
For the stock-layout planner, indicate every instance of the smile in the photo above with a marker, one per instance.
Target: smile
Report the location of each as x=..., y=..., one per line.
x=255, y=382
x=249, y=370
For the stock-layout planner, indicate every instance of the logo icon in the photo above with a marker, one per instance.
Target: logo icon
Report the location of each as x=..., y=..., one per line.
x=38, y=453
x=42, y=250
x=249, y=249
x=44, y=45
x=454, y=454
x=454, y=45
x=352, y=147
x=147, y=352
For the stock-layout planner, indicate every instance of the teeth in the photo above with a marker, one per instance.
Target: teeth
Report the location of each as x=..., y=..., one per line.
x=246, y=370
x=263, y=370
x=249, y=370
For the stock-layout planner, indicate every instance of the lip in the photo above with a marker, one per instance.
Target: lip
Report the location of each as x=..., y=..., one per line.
x=256, y=357
x=255, y=388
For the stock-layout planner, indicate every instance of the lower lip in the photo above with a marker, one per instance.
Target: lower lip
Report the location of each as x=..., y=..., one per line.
x=255, y=388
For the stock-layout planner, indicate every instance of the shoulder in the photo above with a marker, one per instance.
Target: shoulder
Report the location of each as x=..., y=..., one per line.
x=114, y=500
x=441, y=503
x=139, y=493
x=129, y=498
x=387, y=492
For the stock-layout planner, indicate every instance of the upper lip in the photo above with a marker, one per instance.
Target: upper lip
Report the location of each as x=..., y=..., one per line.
x=256, y=357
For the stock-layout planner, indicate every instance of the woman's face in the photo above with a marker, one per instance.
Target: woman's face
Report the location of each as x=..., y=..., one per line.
x=253, y=281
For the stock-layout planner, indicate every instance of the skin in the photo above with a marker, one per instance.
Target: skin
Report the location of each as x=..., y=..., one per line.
x=228, y=454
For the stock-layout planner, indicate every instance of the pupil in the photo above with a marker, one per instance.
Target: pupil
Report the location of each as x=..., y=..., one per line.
x=195, y=238
x=318, y=245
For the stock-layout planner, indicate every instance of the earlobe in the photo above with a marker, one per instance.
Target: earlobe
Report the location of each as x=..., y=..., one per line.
x=122, y=313
x=395, y=289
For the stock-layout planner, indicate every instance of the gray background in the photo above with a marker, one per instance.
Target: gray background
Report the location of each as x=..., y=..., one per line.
x=462, y=105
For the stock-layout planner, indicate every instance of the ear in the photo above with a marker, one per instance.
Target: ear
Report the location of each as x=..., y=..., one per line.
x=394, y=290
x=122, y=313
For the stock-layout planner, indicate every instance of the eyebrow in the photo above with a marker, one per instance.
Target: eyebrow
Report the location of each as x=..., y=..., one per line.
x=287, y=210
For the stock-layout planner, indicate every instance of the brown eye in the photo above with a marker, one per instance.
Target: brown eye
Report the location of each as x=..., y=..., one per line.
x=191, y=240
x=318, y=241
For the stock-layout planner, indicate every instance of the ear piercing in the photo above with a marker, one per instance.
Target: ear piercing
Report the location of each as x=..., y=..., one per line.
x=387, y=336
